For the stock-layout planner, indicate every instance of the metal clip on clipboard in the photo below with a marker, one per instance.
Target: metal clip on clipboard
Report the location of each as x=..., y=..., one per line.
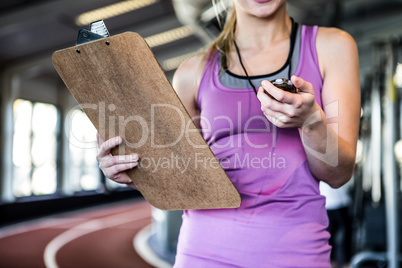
x=97, y=31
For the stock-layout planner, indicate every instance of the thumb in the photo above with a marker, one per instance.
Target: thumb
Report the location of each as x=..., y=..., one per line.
x=302, y=85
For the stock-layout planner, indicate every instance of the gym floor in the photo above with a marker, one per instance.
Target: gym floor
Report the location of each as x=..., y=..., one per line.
x=93, y=237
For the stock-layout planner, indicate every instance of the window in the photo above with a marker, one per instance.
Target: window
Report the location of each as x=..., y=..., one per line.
x=84, y=172
x=34, y=148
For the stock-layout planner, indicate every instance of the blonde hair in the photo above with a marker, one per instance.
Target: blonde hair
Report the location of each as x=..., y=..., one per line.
x=224, y=42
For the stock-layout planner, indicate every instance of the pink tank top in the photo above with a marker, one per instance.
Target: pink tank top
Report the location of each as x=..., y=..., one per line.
x=282, y=219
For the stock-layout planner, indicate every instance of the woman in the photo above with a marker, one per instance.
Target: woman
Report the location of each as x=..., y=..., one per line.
x=277, y=145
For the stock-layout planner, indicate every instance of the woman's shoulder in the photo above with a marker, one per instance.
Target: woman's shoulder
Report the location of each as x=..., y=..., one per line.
x=334, y=46
x=330, y=38
x=186, y=81
x=191, y=70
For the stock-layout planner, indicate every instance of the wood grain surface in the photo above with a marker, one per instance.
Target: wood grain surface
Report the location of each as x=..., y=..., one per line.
x=122, y=89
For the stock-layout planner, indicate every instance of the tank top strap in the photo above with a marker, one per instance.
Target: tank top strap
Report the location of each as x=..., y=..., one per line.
x=211, y=67
x=308, y=67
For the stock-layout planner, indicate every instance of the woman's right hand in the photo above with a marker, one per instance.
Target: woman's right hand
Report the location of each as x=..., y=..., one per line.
x=114, y=166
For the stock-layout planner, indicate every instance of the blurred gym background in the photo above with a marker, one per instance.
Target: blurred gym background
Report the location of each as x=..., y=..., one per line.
x=50, y=183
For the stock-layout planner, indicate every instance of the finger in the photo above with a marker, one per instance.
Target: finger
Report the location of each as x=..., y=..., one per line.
x=260, y=94
x=122, y=178
x=277, y=93
x=118, y=159
x=108, y=145
x=115, y=171
x=276, y=106
x=273, y=105
x=270, y=114
x=302, y=85
x=277, y=119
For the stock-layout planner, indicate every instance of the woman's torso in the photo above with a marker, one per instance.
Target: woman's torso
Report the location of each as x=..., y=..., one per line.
x=282, y=219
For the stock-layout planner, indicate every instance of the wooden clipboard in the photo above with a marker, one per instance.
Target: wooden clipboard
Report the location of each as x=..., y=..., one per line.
x=122, y=89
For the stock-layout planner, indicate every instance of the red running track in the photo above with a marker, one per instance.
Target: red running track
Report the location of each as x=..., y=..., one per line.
x=96, y=237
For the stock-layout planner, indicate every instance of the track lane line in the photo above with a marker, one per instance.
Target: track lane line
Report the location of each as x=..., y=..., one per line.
x=54, y=221
x=88, y=227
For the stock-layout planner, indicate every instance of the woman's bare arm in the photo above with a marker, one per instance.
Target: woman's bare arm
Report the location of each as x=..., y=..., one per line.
x=329, y=135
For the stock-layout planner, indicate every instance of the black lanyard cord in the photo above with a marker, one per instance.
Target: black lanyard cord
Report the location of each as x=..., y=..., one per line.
x=244, y=68
x=289, y=60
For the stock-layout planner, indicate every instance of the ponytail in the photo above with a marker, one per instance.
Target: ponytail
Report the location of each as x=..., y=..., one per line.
x=224, y=42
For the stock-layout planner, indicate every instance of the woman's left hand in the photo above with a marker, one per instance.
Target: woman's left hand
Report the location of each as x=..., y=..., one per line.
x=285, y=109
